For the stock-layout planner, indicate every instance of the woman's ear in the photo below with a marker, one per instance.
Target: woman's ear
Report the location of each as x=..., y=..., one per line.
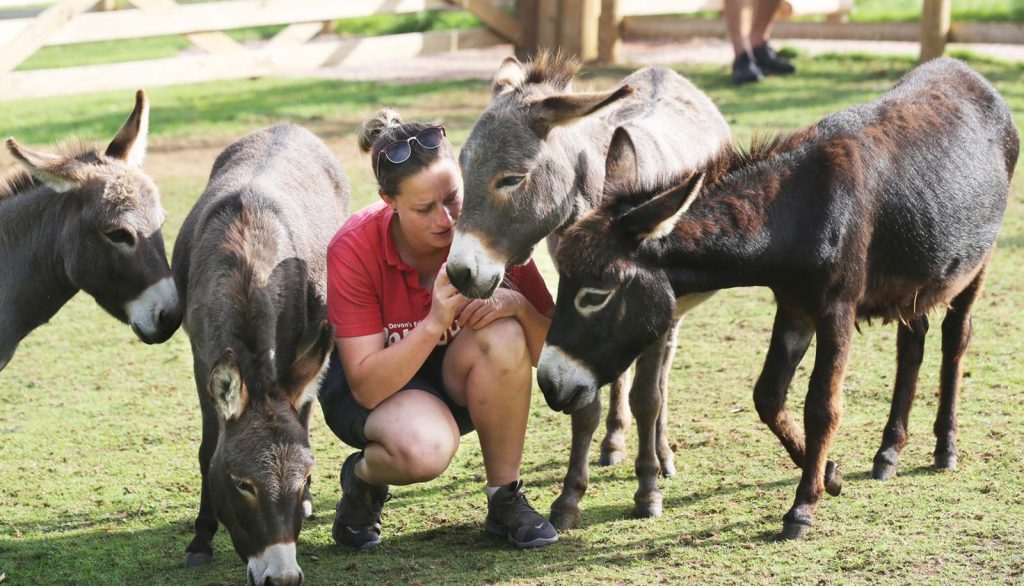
x=388, y=199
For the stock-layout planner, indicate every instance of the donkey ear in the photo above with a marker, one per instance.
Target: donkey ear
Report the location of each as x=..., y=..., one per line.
x=546, y=113
x=61, y=174
x=620, y=165
x=130, y=143
x=657, y=217
x=225, y=387
x=510, y=75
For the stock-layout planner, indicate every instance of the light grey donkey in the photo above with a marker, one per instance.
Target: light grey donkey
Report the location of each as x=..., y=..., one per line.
x=532, y=165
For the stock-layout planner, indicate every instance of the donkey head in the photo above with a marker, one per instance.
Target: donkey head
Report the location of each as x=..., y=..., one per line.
x=260, y=472
x=613, y=302
x=519, y=169
x=113, y=248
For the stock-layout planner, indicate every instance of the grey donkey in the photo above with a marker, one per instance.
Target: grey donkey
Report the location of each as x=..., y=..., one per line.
x=532, y=165
x=84, y=219
x=250, y=264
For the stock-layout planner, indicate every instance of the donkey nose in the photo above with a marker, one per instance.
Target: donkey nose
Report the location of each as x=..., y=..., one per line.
x=293, y=580
x=459, y=275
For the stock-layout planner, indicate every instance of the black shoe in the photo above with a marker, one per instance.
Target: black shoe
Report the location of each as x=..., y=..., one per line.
x=744, y=70
x=357, y=517
x=770, y=62
x=510, y=514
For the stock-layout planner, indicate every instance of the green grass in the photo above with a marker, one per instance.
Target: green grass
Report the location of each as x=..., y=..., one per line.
x=98, y=432
x=962, y=10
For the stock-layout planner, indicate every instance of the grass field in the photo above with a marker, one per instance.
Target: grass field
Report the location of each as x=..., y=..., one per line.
x=99, y=481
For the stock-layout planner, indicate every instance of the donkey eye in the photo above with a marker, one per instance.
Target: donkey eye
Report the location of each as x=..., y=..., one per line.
x=120, y=236
x=592, y=299
x=244, y=487
x=510, y=180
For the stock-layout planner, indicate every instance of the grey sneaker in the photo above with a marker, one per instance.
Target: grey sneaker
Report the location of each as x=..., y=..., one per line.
x=770, y=62
x=510, y=514
x=744, y=70
x=358, y=515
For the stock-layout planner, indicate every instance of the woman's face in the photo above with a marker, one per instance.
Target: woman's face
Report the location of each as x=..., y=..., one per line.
x=428, y=204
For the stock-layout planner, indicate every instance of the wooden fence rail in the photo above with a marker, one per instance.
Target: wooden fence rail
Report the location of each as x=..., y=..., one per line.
x=293, y=50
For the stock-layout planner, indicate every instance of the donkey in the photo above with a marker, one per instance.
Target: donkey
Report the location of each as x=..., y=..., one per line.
x=533, y=163
x=90, y=220
x=250, y=264
x=884, y=210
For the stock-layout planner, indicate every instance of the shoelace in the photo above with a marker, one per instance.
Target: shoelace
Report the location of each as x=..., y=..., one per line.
x=378, y=505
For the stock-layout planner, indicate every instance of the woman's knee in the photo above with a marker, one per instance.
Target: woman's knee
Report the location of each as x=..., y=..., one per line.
x=502, y=341
x=423, y=452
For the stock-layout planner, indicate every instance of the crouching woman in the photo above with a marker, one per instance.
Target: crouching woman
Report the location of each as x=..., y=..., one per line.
x=417, y=364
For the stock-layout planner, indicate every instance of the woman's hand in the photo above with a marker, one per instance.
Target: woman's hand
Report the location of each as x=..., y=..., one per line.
x=446, y=302
x=481, y=312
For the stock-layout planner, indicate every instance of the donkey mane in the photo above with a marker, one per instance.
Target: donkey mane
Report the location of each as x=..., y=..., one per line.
x=622, y=197
x=16, y=181
x=250, y=244
x=557, y=68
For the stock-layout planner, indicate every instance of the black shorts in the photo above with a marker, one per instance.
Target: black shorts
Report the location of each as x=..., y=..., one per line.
x=347, y=418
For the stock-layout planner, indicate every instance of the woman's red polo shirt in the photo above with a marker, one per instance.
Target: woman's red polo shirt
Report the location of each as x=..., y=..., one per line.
x=370, y=289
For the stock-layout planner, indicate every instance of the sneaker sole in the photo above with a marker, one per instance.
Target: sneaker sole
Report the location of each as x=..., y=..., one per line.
x=499, y=531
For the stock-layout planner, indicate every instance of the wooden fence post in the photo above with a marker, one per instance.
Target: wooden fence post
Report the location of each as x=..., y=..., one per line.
x=934, y=28
x=528, y=13
x=609, y=39
x=578, y=27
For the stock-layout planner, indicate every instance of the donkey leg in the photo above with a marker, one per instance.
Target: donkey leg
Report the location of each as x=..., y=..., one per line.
x=645, y=401
x=823, y=411
x=956, y=333
x=200, y=550
x=909, y=354
x=613, y=446
x=565, y=511
x=665, y=455
x=791, y=335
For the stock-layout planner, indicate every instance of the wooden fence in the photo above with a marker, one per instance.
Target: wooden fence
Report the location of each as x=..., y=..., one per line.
x=634, y=19
x=292, y=50
x=590, y=28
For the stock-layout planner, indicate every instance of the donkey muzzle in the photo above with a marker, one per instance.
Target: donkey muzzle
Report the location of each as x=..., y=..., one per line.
x=568, y=385
x=473, y=268
x=275, y=566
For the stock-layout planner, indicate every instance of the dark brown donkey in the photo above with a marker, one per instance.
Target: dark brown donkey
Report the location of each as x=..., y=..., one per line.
x=532, y=165
x=250, y=264
x=885, y=210
x=84, y=219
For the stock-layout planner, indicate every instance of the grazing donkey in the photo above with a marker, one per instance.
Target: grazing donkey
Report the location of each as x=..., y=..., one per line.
x=885, y=210
x=533, y=163
x=250, y=264
x=90, y=220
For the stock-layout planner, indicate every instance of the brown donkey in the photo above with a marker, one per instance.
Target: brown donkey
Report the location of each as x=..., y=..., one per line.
x=251, y=265
x=885, y=210
x=533, y=163
x=87, y=220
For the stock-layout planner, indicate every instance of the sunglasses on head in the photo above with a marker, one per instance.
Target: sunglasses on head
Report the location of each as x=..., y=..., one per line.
x=399, y=151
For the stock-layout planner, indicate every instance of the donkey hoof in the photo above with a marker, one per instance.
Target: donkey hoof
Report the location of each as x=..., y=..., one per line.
x=883, y=470
x=647, y=507
x=564, y=518
x=793, y=530
x=611, y=456
x=197, y=558
x=668, y=469
x=833, y=478
x=945, y=460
